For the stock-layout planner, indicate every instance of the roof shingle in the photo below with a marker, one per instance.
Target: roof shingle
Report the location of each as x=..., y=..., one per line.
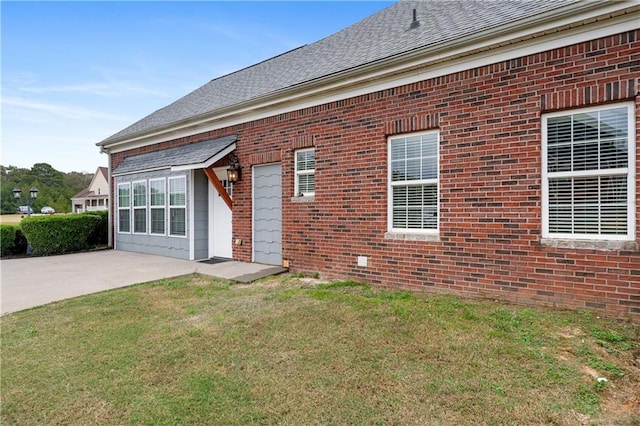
x=179, y=156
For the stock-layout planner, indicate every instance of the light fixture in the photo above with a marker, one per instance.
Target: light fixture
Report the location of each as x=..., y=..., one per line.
x=234, y=172
x=33, y=194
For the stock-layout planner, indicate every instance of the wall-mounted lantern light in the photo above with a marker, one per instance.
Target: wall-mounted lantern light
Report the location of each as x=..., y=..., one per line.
x=234, y=172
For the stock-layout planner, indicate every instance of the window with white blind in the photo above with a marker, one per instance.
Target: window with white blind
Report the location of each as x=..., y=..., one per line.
x=157, y=206
x=140, y=207
x=124, y=207
x=305, y=172
x=588, y=173
x=178, y=206
x=413, y=183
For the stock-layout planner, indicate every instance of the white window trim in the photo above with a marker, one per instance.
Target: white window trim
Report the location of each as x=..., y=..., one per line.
x=186, y=202
x=158, y=207
x=126, y=184
x=134, y=207
x=302, y=172
x=631, y=178
x=404, y=233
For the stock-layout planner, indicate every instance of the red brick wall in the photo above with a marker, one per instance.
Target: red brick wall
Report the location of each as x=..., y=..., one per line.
x=489, y=120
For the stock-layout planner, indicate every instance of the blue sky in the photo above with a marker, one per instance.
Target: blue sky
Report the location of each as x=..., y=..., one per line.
x=74, y=73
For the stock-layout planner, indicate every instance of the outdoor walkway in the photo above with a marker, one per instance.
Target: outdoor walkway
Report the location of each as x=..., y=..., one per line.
x=35, y=281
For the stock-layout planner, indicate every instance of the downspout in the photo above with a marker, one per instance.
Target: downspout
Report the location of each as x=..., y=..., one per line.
x=110, y=240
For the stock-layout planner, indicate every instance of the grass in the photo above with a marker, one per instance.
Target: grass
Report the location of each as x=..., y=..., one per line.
x=196, y=350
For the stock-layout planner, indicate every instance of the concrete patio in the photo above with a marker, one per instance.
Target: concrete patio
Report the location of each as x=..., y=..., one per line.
x=34, y=281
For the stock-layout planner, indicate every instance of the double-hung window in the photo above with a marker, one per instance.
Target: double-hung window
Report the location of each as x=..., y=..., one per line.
x=413, y=183
x=124, y=207
x=157, y=206
x=178, y=206
x=588, y=173
x=140, y=207
x=305, y=172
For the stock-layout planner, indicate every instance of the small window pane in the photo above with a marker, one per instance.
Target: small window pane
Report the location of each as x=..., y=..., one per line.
x=124, y=220
x=305, y=160
x=177, y=192
x=306, y=183
x=157, y=192
x=177, y=221
x=123, y=196
x=415, y=207
x=414, y=158
x=139, y=194
x=157, y=221
x=140, y=220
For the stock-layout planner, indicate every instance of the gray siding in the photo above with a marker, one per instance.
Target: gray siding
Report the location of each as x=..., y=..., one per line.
x=177, y=247
x=201, y=214
x=267, y=214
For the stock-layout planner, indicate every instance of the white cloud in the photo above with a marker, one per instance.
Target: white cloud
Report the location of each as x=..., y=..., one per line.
x=57, y=109
x=109, y=89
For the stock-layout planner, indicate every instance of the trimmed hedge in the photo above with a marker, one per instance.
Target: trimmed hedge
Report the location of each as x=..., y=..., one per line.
x=62, y=233
x=12, y=241
x=100, y=236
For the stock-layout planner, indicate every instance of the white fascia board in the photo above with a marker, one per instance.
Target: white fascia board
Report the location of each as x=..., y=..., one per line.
x=608, y=19
x=210, y=162
x=139, y=171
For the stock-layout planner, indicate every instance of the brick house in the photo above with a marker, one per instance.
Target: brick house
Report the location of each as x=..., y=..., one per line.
x=482, y=148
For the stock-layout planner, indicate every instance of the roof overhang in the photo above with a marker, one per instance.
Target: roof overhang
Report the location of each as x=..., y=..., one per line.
x=208, y=163
x=199, y=155
x=566, y=25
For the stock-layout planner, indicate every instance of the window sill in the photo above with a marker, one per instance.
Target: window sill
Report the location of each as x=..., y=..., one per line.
x=308, y=199
x=411, y=237
x=590, y=244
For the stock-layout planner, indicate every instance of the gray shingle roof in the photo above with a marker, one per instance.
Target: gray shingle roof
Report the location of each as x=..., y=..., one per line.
x=196, y=153
x=380, y=36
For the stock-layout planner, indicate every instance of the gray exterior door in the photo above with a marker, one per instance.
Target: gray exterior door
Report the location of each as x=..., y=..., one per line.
x=267, y=214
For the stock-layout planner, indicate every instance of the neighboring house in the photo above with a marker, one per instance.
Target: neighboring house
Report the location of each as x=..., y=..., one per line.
x=96, y=196
x=481, y=148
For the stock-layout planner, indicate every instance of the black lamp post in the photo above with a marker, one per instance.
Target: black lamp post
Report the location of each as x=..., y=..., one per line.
x=33, y=194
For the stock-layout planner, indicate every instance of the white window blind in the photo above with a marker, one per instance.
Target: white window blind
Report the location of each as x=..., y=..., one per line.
x=588, y=191
x=305, y=172
x=414, y=182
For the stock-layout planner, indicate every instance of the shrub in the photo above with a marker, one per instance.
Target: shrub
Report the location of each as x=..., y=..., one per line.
x=20, y=242
x=12, y=241
x=7, y=239
x=100, y=236
x=60, y=234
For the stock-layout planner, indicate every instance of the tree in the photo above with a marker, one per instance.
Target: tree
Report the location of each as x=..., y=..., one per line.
x=55, y=188
x=47, y=175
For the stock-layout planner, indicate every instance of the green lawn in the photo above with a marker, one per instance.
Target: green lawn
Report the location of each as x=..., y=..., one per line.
x=196, y=350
